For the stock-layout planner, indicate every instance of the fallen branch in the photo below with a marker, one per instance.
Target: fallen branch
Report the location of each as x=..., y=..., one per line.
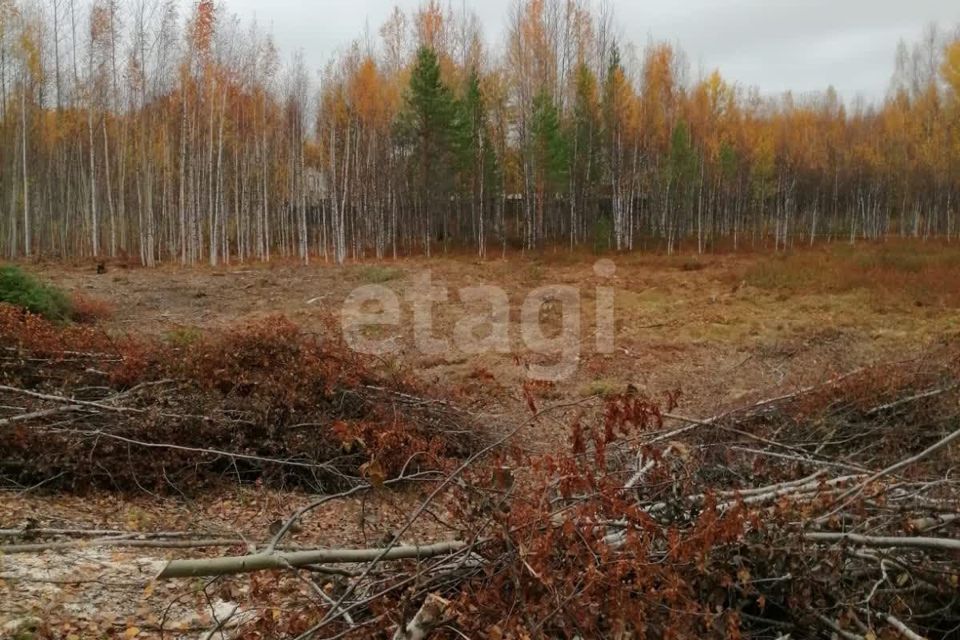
x=838, y=630
x=429, y=616
x=920, y=396
x=942, y=544
x=70, y=401
x=39, y=414
x=904, y=630
x=263, y=561
x=204, y=451
x=118, y=542
x=44, y=531
x=903, y=464
x=933, y=522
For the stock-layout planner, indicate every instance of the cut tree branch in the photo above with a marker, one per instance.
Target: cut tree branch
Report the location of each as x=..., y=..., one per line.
x=943, y=544
x=262, y=561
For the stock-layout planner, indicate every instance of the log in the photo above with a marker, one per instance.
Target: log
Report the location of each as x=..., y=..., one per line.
x=942, y=544
x=263, y=561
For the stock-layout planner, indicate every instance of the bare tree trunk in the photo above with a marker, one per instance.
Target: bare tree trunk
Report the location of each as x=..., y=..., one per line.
x=218, y=199
x=108, y=191
x=182, y=183
x=27, y=242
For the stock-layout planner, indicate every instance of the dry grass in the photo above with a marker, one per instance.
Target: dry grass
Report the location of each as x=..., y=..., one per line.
x=378, y=274
x=603, y=387
x=718, y=326
x=922, y=274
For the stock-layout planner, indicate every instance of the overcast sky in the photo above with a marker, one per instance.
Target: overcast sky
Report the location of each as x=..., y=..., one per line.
x=775, y=45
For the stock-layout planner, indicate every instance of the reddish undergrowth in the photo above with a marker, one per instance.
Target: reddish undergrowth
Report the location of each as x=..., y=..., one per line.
x=262, y=401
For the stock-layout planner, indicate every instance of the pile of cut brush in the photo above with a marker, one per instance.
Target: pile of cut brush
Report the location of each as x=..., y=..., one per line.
x=265, y=402
x=831, y=511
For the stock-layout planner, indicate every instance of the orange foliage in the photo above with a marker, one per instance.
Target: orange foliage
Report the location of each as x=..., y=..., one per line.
x=87, y=310
x=266, y=387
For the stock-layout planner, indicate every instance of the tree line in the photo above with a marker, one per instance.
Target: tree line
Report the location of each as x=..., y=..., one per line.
x=129, y=129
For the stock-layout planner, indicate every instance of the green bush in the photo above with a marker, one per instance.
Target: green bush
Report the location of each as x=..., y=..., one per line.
x=23, y=290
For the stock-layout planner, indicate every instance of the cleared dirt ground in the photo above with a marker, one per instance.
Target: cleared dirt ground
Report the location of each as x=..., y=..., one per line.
x=724, y=330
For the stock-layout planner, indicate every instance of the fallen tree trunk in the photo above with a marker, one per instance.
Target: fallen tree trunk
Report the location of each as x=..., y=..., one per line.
x=262, y=561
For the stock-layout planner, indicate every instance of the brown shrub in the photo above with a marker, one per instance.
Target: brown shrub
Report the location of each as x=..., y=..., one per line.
x=87, y=310
x=263, y=401
x=31, y=333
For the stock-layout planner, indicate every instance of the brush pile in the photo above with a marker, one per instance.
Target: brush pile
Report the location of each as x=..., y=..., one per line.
x=830, y=511
x=827, y=512
x=264, y=402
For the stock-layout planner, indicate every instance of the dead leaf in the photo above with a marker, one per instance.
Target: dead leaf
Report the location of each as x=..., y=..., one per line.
x=374, y=473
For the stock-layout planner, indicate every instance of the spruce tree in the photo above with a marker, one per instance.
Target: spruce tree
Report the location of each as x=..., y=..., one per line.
x=551, y=158
x=430, y=123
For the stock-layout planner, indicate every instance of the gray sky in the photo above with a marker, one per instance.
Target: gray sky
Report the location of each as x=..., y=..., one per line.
x=803, y=45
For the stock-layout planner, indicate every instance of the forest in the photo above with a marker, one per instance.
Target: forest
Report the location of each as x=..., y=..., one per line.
x=163, y=134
